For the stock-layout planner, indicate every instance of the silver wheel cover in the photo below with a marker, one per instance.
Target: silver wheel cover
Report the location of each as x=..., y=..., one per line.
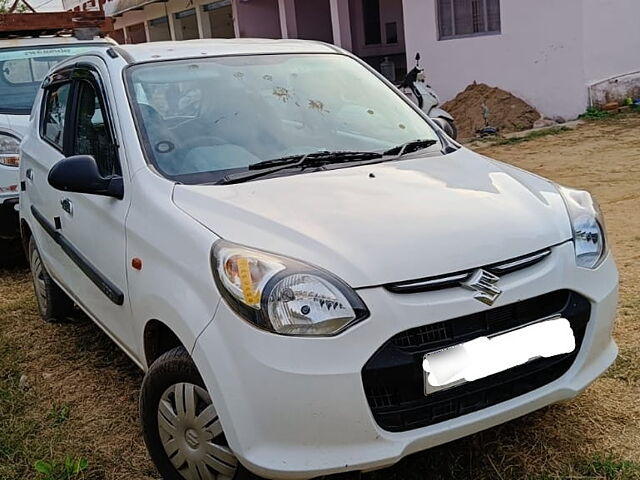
x=192, y=435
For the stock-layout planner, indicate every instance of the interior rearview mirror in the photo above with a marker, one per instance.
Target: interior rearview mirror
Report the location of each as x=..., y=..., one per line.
x=80, y=174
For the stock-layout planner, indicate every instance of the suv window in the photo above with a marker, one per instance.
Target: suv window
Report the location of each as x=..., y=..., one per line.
x=92, y=134
x=56, y=102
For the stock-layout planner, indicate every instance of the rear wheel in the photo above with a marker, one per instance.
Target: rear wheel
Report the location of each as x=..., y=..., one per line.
x=181, y=427
x=53, y=304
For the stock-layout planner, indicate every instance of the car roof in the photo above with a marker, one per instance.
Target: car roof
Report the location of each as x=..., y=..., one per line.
x=157, y=51
x=51, y=41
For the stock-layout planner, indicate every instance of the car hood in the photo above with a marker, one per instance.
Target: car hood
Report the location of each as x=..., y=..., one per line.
x=391, y=221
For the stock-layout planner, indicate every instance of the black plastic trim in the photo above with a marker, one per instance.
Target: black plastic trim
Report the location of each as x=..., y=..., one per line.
x=393, y=378
x=112, y=292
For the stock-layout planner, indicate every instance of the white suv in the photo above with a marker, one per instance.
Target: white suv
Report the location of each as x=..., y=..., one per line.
x=24, y=62
x=314, y=278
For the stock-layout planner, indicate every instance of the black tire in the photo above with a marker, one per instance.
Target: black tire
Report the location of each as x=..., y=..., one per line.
x=172, y=368
x=53, y=304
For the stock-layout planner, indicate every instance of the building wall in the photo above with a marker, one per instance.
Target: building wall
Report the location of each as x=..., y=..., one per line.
x=611, y=38
x=313, y=18
x=258, y=18
x=538, y=56
x=390, y=11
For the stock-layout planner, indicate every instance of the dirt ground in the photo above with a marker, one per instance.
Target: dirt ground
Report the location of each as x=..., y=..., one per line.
x=506, y=112
x=66, y=391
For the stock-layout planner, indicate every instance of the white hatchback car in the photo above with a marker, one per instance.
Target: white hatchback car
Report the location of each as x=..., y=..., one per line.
x=313, y=276
x=24, y=62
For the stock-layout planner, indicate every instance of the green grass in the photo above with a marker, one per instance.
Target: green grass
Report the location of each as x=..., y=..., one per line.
x=61, y=470
x=593, y=113
x=530, y=136
x=59, y=413
x=25, y=443
x=609, y=467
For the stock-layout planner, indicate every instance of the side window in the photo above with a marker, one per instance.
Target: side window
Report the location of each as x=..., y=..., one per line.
x=92, y=133
x=56, y=102
x=458, y=18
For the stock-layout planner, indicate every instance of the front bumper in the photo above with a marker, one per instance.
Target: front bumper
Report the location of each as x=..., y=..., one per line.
x=296, y=407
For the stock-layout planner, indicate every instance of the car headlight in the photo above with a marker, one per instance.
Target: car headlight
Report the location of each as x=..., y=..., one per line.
x=9, y=150
x=283, y=295
x=588, y=227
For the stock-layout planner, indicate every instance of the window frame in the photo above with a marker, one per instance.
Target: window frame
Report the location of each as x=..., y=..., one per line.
x=88, y=73
x=51, y=81
x=80, y=72
x=455, y=36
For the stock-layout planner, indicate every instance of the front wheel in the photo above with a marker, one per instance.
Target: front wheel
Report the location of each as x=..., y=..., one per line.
x=180, y=424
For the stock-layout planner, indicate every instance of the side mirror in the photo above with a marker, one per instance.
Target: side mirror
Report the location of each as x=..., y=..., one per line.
x=418, y=58
x=80, y=174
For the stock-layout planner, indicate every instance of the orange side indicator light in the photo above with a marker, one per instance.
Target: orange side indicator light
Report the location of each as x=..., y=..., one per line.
x=136, y=263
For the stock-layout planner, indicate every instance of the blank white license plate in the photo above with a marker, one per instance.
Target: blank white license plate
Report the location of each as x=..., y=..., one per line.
x=484, y=356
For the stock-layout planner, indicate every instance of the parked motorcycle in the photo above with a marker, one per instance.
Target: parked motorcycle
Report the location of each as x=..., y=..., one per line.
x=415, y=87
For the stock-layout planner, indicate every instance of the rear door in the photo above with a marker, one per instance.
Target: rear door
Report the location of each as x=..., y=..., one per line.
x=42, y=147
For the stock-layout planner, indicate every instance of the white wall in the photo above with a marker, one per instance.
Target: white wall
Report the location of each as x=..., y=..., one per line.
x=538, y=56
x=611, y=38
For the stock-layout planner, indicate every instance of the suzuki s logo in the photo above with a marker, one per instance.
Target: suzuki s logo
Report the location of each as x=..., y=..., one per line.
x=484, y=284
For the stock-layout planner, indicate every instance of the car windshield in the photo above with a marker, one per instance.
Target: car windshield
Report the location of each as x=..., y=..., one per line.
x=22, y=70
x=205, y=118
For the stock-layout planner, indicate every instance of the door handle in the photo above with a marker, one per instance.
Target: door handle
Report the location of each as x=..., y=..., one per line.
x=29, y=174
x=67, y=206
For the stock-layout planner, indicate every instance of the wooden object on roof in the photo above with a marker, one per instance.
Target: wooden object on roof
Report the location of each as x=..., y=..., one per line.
x=80, y=24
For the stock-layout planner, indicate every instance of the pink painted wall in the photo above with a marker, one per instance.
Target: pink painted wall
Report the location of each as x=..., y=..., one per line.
x=390, y=11
x=313, y=18
x=538, y=56
x=258, y=18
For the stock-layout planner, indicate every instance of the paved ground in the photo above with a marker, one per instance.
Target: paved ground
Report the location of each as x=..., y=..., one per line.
x=67, y=392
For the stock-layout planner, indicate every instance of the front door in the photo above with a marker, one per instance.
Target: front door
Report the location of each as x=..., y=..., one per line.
x=92, y=226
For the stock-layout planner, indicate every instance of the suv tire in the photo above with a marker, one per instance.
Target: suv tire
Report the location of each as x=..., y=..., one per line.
x=180, y=425
x=53, y=304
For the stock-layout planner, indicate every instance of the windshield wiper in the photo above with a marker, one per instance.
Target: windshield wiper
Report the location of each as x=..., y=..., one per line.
x=315, y=159
x=322, y=156
x=410, y=147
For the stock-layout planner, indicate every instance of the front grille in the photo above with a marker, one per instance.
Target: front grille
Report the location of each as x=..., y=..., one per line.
x=455, y=279
x=393, y=377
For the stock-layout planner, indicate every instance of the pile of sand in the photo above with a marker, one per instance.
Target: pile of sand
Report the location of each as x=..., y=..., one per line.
x=507, y=113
